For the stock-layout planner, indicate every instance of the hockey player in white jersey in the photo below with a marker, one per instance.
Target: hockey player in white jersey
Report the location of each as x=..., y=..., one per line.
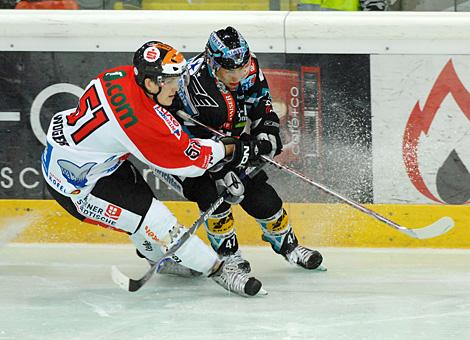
x=124, y=112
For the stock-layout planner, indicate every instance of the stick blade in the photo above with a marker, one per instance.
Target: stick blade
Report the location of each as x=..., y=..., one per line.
x=120, y=279
x=127, y=283
x=435, y=229
x=135, y=285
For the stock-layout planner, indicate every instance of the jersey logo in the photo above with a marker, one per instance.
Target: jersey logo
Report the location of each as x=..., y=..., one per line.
x=113, y=212
x=110, y=76
x=199, y=96
x=169, y=120
x=74, y=174
x=231, y=109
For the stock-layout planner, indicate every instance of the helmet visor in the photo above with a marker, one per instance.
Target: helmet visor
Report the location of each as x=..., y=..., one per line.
x=173, y=80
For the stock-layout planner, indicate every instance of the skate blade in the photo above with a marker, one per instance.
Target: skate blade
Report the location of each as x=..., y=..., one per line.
x=262, y=292
x=321, y=268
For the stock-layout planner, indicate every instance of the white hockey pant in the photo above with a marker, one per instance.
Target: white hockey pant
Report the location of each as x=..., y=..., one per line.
x=160, y=230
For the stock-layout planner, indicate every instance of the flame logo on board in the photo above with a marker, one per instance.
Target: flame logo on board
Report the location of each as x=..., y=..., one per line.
x=452, y=178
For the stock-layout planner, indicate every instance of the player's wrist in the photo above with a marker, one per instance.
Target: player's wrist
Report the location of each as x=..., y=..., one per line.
x=229, y=149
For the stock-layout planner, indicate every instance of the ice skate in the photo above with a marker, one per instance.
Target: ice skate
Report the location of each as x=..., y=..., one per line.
x=170, y=267
x=234, y=280
x=306, y=258
x=237, y=260
x=284, y=242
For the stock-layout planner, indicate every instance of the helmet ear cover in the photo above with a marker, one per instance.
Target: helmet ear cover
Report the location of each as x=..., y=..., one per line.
x=227, y=48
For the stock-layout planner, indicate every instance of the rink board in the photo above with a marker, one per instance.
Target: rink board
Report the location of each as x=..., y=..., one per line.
x=335, y=225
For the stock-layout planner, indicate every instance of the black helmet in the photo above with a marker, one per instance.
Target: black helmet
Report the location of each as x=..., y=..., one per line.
x=227, y=48
x=156, y=60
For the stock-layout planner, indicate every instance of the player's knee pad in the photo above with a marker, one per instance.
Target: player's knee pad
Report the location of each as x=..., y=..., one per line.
x=162, y=230
x=278, y=232
x=221, y=233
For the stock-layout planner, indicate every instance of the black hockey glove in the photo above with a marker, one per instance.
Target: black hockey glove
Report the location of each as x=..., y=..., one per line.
x=229, y=180
x=247, y=151
x=267, y=128
x=374, y=5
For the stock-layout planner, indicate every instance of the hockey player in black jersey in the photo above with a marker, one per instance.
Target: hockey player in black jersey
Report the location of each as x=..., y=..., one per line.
x=228, y=91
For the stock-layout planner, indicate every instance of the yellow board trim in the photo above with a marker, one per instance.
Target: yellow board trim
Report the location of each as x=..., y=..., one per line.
x=322, y=225
x=197, y=5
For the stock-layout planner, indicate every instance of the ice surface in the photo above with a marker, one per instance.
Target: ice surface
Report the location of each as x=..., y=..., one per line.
x=65, y=292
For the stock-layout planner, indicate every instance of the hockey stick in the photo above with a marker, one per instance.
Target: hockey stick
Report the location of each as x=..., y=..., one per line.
x=170, y=181
x=435, y=229
x=133, y=285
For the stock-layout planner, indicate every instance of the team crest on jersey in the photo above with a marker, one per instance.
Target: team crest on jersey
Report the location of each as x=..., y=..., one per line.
x=169, y=120
x=74, y=174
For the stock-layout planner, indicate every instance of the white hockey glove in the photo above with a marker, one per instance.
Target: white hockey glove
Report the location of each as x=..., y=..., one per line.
x=234, y=186
x=374, y=5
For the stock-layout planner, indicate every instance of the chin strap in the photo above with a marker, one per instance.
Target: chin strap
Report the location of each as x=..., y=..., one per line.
x=153, y=95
